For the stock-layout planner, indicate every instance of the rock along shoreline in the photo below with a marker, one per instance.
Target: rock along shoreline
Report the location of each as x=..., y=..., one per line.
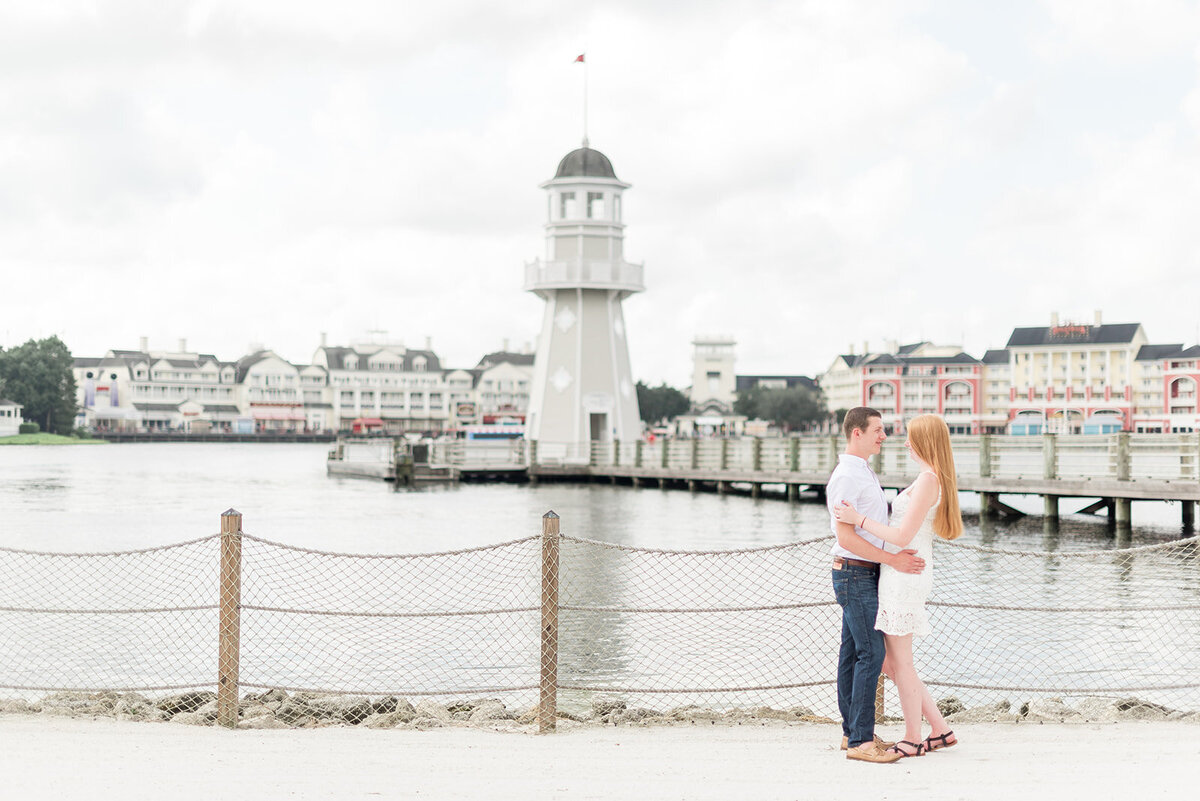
x=277, y=709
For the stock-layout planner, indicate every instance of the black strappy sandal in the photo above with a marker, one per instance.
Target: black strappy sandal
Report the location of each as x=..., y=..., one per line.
x=945, y=743
x=918, y=749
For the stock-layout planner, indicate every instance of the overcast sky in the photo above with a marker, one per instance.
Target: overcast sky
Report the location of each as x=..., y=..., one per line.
x=805, y=175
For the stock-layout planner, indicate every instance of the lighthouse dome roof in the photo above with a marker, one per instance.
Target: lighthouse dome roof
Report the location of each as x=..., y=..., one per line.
x=585, y=162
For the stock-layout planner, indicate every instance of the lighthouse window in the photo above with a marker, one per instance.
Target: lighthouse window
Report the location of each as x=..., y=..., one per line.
x=595, y=207
x=566, y=206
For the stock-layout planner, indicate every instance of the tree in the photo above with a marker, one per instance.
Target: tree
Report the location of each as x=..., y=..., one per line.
x=38, y=376
x=791, y=409
x=661, y=402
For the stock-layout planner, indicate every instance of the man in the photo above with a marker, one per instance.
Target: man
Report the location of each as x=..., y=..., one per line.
x=857, y=556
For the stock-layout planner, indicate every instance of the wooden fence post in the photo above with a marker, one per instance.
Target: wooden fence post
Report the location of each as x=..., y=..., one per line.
x=695, y=452
x=756, y=454
x=548, y=700
x=724, y=453
x=616, y=460
x=229, y=641
x=985, y=455
x=665, y=461
x=794, y=455
x=637, y=453
x=879, y=700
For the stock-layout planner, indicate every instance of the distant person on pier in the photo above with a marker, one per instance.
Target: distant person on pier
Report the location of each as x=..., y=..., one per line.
x=928, y=506
x=857, y=556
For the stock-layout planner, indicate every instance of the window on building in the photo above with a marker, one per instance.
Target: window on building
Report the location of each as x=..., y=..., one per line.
x=566, y=205
x=714, y=383
x=595, y=205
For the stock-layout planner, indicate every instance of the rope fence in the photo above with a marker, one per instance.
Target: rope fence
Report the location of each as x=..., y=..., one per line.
x=556, y=625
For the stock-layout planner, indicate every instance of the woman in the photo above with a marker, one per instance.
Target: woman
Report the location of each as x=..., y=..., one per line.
x=929, y=506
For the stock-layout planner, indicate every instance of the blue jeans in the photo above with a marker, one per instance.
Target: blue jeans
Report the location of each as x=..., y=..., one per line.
x=861, y=656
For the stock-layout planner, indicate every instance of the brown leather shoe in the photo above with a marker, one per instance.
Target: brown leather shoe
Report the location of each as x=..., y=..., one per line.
x=884, y=744
x=872, y=754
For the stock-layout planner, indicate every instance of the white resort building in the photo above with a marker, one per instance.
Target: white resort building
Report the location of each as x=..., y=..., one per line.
x=372, y=385
x=10, y=418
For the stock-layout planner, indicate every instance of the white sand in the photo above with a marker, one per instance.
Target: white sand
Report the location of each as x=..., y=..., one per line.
x=63, y=759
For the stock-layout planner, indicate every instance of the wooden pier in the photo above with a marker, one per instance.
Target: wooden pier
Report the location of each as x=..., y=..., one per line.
x=1098, y=471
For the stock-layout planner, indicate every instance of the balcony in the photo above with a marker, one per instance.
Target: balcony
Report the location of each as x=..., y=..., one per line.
x=583, y=274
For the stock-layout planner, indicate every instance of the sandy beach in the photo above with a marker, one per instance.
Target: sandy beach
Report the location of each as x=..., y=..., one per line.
x=74, y=758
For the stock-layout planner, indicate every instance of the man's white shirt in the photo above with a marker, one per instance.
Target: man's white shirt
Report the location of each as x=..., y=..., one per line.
x=853, y=480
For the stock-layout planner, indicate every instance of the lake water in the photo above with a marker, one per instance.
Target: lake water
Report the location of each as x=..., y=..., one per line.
x=122, y=497
x=113, y=497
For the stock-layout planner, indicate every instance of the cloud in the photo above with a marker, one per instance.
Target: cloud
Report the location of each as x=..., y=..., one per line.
x=805, y=174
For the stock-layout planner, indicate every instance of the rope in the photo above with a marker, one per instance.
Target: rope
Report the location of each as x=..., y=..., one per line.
x=1106, y=609
x=692, y=610
x=145, y=610
x=662, y=552
x=694, y=690
x=145, y=689
x=1162, y=546
x=425, y=555
x=80, y=554
x=468, y=691
x=333, y=613
x=1064, y=690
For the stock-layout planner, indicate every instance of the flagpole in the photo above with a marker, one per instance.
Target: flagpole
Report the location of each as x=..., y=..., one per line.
x=585, y=101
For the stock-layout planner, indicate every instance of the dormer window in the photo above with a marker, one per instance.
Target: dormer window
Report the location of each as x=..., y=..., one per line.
x=419, y=364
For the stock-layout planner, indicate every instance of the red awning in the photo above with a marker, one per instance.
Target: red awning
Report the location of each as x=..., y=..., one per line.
x=368, y=421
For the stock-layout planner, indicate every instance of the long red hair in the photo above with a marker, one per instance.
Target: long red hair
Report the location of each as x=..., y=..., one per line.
x=930, y=441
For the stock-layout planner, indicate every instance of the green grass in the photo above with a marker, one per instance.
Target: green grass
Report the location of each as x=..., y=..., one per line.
x=46, y=439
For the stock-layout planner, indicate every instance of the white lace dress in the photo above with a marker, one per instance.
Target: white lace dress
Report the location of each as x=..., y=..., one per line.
x=902, y=595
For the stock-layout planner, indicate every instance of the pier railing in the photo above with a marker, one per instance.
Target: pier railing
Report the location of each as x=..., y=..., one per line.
x=1118, y=457
x=557, y=623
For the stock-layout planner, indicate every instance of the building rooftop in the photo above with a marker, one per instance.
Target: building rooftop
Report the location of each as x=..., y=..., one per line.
x=1073, y=334
x=522, y=359
x=958, y=358
x=744, y=382
x=585, y=162
x=1150, y=353
x=997, y=356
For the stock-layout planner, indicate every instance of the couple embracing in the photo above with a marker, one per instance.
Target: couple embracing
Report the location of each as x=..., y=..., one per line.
x=882, y=575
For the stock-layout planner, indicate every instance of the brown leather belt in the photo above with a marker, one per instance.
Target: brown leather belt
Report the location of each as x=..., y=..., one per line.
x=840, y=561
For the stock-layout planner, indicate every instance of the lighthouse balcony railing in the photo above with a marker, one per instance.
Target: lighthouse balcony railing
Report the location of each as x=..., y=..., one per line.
x=584, y=273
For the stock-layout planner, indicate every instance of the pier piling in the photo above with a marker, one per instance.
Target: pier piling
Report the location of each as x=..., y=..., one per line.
x=1050, y=506
x=1123, y=509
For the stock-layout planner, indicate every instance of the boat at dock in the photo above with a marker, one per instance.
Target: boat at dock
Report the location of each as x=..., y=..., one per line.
x=363, y=457
x=390, y=459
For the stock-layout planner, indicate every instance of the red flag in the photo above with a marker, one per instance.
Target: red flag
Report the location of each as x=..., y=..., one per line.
x=580, y=57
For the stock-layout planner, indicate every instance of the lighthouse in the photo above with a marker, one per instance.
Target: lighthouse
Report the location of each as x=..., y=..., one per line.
x=583, y=389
